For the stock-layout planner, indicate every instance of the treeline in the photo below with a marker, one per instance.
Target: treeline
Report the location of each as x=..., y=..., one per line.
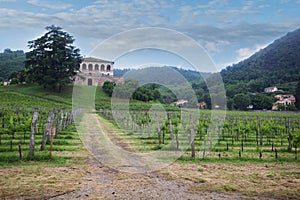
x=131, y=90
x=11, y=61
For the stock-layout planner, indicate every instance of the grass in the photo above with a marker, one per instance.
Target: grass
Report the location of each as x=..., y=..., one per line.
x=34, y=91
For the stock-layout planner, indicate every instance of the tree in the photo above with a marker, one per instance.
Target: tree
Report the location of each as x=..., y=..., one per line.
x=229, y=103
x=53, y=61
x=261, y=101
x=241, y=101
x=108, y=87
x=298, y=96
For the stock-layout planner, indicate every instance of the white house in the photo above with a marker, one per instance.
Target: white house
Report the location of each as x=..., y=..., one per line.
x=271, y=89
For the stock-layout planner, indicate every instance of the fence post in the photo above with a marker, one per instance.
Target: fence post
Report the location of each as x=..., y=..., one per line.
x=32, y=132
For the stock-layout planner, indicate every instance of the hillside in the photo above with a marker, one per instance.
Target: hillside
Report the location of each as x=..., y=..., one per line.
x=277, y=64
x=11, y=61
x=188, y=74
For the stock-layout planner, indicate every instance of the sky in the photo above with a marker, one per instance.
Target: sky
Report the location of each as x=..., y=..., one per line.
x=227, y=30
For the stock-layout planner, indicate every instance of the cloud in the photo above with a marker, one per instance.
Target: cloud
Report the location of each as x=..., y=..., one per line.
x=211, y=47
x=245, y=53
x=219, y=25
x=55, y=5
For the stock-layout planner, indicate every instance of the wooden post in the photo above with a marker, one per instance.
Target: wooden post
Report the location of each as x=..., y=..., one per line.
x=192, y=136
x=158, y=129
x=290, y=137
x=276, y=154
x=52, y=133
x=242, y=145
x=20, y=151
x=260, y=131
x=272, y=146
x=3, y=113
x=148, y=126
x=260, y=155
x=134, y=123
x=171, y=131
x=48, y=127
x=32, y=132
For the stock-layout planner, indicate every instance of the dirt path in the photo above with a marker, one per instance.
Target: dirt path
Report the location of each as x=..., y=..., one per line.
x=103, y=182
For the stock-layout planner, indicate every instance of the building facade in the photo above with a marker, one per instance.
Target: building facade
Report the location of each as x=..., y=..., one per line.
x=93, y=71
x=271, y=89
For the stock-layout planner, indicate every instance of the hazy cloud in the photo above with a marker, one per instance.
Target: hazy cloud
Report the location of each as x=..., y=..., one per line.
x=244, y=53
x=218, y=25
x=56, y=5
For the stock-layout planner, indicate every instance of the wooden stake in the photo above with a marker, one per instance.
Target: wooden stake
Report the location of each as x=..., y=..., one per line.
x=20, y=151
x=32, y=133
x=192, y=136
x=52, y=133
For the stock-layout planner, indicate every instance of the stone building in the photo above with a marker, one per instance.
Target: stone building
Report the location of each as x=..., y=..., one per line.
x=95, y=71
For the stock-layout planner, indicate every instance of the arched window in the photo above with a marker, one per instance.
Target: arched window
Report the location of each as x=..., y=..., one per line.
x=102, y=67
x=83, y=66
x=97, y=67
x=90, y=67
x=108, y=67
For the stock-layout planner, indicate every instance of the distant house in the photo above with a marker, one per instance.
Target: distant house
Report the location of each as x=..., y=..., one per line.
x=180, y=102
x=250, y=107
x=284, y=100
x=271, y=89
x=202, y=105
x=5, y=83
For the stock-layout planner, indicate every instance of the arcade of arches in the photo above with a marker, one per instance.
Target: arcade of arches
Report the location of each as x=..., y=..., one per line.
x=94, y=71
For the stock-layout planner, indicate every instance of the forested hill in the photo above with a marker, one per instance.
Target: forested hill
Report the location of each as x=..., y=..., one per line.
x=11, y=61
x=276, y=65
x=188, y=74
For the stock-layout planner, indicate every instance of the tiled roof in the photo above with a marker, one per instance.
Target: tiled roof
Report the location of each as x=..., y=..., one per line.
x=91, y=59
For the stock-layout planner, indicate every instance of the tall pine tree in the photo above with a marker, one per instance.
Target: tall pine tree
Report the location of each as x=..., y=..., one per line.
x=53, y=61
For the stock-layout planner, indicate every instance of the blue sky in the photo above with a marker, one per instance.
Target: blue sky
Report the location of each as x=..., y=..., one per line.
x=228, y=30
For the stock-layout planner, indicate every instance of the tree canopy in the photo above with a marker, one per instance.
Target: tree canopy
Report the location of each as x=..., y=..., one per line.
x=131, y=89
x=53, y=61
x=11, y=62
x=241, y=101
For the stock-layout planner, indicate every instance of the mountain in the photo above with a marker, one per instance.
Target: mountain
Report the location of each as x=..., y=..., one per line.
x=188, y=74
x=11, y=61
x=276, y=65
